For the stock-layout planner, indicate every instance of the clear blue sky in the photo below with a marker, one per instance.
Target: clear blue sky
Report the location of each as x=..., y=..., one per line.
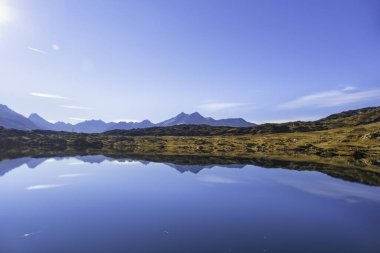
x=260, y=60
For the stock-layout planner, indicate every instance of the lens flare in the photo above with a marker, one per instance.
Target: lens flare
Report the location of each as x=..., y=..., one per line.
x=5, y=13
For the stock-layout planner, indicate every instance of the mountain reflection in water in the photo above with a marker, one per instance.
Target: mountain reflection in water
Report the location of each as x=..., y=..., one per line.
x=184, y=204
x=195, y=164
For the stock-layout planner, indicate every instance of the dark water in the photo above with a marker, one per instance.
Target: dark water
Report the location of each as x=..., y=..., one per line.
x=93, y=204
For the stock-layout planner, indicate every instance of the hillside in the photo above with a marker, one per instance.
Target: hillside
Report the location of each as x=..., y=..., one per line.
x=347, y=135
x=344, y=119
x=350, y=152
x=11, y=119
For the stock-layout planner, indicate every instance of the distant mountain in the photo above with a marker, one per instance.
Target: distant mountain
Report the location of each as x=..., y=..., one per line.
x=182, y=168
x=35, y=162
x=92, y=126
x=350, y=118
x=43, y=124
x=131, y=125
x=11, y=119
x=184, y=119
x=40, y=122
x=233, y=122
x=197, y=119
x=62, y=126
x=8, y=165
x=93, y=158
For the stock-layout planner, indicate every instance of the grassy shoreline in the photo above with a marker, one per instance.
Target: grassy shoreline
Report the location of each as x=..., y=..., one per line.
x=358, y=146
x=348, y=142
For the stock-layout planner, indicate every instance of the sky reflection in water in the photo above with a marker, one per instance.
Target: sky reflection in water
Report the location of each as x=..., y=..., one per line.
x=96, y=204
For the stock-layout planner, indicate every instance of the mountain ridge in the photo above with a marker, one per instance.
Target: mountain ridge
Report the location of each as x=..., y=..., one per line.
x=13, y=120
x=196, y=118
x=189, y=124
x=351, y=118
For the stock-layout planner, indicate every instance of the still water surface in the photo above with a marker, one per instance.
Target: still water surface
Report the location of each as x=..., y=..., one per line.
x=96, y=204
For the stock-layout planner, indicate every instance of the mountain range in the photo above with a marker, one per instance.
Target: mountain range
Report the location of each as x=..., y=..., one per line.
x=11, y=119
x=32, y=163
x=14, y=120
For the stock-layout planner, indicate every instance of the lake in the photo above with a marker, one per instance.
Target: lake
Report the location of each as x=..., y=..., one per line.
x=101, y=204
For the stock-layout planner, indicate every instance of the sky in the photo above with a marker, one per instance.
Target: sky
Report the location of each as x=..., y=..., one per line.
x=264, y=60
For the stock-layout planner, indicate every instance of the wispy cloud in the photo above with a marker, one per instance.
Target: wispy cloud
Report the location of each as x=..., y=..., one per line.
x=332, y=98
x=78, y=119
x=50, y=160
x=32, y=233
x=348, y=88
x=48, y=95
x=76, y=107
x=77, y=163
x=216, y=106
x=43, y=186
x=126, y=162
x=73, y=175
x=307, y=118
x=37, y=50
x=324, y=187
x=218, y=180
